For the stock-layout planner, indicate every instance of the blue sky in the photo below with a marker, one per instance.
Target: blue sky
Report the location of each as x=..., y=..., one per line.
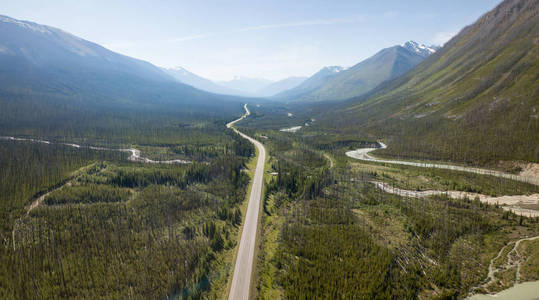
x=265, y=39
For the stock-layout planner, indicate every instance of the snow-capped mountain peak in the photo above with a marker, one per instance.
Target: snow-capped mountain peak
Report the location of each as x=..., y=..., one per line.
x=420, y=49
x=181, y=70
x=26, y=25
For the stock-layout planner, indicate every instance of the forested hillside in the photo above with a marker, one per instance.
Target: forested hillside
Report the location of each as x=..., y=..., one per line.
x=51, y=79
x=118, y=181
x=109, y=228
x=329, y=232
x=359, y=79
x=474, y=100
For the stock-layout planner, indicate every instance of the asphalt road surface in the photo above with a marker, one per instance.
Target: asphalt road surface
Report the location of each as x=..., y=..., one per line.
x=241, y=280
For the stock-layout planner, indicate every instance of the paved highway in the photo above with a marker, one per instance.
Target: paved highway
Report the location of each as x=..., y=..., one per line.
x=243, y=269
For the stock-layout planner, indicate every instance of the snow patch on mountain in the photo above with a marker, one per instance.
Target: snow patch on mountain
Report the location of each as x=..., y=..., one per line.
x=27, y=25
x=181, y=70
x=335, y=69
x=420, y=49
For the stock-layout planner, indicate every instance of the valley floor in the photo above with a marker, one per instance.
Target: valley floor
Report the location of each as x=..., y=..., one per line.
x=363, y=154
x=412, y=222
x=102, y=222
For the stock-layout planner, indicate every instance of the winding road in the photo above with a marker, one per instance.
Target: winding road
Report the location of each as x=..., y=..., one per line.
x=243, y=269
x=363, y=154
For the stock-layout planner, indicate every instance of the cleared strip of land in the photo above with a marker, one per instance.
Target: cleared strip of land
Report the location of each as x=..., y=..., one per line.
x=243, y=269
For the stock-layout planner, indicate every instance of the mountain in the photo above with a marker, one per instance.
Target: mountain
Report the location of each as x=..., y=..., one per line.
x=310, y=84
x=246, y=85
x=420, y=49
x=40, y=46
x=187, y=77
x=279, y=86
x=385, y=65
x=474, y=100
x=45, y=67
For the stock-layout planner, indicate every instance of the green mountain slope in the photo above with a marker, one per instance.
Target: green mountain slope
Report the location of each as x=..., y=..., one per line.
x=474, y=100
x=281, y=85
x=51, y=79
x=331, y=83
x=385, y=65
x=311, y=84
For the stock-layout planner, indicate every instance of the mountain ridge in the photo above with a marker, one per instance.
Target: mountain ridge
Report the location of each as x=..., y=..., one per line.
x=364, y=76
x=246, y=85
x=280, y=86
x=474, y=100
x=312, y=83
x=49, y=70
x=187, y=77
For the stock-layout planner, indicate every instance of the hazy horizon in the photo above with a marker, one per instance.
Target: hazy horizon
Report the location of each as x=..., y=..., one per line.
x=256, y=40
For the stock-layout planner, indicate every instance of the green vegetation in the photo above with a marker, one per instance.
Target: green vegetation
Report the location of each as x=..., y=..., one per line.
x=474, y=101
x=529, y=270
x=30, y=169
x=80, y=223
x=359, y=79
x=88, y=194
x=115, y=228
x=327, y=231
x=415, y=178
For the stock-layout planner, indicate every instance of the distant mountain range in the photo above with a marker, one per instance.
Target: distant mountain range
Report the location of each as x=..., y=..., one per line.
x=44, y=66
x=311, y=84
x=241, y=86
x=279, y=86
x=187, y=77
x=246, y=84
x=36, y=46
x=336, y=83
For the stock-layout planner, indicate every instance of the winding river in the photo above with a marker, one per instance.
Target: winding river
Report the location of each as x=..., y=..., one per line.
x=135, y=153
x=363, y=154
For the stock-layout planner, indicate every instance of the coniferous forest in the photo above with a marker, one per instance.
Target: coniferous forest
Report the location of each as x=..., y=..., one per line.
x=329, y=232
x=109, y=228
x=400, y=170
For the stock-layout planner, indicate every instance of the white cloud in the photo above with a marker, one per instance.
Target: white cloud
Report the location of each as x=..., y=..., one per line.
x=343, y=20
x=441, y=38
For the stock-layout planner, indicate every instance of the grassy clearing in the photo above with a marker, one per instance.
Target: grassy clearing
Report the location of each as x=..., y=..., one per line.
x=529, y=270
x=158, y=153
x=268, y=287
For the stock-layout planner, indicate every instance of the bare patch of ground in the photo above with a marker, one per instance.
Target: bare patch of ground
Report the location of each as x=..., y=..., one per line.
x=519, y=204
x=504, y=269
x=530, y=170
